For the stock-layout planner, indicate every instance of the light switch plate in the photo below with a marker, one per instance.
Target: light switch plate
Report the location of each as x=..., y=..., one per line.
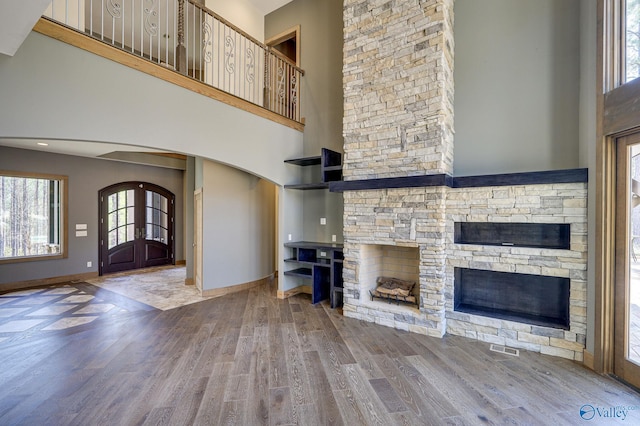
x=323, y=221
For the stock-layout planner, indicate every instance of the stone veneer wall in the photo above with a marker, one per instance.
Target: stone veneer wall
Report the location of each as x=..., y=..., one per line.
x=398, y=88
x=552, y=203
x=425, y=217
x=411, y=217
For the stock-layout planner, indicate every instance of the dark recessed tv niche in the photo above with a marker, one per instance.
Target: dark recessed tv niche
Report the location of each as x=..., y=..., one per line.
x=535, y=235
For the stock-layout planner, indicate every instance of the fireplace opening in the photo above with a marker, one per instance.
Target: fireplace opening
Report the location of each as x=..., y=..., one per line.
x=387, y=262
x=532, y=299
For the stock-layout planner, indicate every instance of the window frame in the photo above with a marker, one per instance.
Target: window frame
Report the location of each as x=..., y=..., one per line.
x=63, y=211
x=617, y=115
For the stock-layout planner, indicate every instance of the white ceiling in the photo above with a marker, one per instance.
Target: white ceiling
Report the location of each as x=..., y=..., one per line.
x=17, y=18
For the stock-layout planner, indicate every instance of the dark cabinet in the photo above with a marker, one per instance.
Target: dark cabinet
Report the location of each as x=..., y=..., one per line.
x=321, y=264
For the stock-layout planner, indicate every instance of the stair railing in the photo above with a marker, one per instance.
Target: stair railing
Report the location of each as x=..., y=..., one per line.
x=188, y=38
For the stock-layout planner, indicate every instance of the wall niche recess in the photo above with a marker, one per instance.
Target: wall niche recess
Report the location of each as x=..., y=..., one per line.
x=535, y=235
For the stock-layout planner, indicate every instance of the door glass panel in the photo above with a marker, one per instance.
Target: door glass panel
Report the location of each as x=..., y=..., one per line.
x=633, y=337
x=121, y=218
x=156, y=217
x=632, y=50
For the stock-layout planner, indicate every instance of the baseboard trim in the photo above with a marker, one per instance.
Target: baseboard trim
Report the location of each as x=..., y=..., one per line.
x=217, y=292
x=19, y=285
x=302, y=289
x=588, y=360
x=189, y=281
x=181, y=262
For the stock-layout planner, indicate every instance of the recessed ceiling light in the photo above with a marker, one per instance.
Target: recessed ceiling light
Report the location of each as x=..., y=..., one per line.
x=43, y=144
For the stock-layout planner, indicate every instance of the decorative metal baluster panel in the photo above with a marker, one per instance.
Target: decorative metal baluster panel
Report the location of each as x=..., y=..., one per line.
x=187, y=37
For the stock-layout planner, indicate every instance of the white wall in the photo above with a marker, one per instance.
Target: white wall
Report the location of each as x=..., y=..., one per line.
x=79, y=96
x=517, y=85
x=240, y=13
x=239, y=226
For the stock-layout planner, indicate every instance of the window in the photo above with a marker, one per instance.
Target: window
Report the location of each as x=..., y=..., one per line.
x=32, y=216
x=632, y=40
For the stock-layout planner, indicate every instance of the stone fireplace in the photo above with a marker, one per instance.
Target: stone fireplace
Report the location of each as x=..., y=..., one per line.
x=401, y=203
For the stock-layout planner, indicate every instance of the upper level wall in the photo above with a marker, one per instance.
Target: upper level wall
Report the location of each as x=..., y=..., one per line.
x=242, y=14
x=51, y=90
x=517, y=85
x=321, y=57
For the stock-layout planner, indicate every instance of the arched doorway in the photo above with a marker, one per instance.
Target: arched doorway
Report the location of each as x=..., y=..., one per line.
x=136, y=226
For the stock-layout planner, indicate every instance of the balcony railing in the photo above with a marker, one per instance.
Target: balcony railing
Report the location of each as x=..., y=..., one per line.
x=190, y=39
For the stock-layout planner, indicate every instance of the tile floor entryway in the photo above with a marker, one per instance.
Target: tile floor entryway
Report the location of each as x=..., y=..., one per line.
x=75, y=305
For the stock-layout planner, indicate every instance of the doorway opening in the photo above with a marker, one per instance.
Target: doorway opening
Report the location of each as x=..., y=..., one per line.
x=287, y=43
x=136, y=227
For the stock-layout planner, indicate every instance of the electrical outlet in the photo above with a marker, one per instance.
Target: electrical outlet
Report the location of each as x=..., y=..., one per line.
x=323, y=221
x=333, y=238
x=323, y=254
x=89, y=264
x=289, y=237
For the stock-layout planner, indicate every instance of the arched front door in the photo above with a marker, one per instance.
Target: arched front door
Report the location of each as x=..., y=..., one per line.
x=136, y=226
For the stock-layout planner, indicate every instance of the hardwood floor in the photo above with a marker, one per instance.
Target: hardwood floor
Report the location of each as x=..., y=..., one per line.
x=249, y=358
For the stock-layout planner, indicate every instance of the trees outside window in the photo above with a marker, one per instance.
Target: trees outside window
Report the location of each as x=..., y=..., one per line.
x=632, y=37
x=31, y=216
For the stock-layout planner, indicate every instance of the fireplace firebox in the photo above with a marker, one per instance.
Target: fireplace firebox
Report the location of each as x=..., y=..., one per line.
x=532, y=299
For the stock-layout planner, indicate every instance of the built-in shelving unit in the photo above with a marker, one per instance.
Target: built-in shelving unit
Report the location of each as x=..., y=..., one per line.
x=330, y=163
x=321, y=263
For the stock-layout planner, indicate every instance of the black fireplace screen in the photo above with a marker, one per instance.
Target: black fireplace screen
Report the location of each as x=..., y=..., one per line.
x=532, y=299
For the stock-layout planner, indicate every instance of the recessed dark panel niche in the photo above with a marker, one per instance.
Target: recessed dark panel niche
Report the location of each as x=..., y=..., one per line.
x=532, y=299
x=537, y=235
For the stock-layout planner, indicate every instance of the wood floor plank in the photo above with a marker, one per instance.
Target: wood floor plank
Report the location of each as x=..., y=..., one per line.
x=232, y=413
x=258, y=391
x=186, y=409
x=349, y=408
x=278, y=373
x=366, y=398
x=339, y=346
x=387, y=395
x=328, y=412
x=236, y=389
x=364, y=358
x=439, y=397
x=280, y=412
x=285, y=313
x=412, y=398
x=213, y=397
x=242, y=359
x=298, y=379
x=329, y=360
x=159, y=416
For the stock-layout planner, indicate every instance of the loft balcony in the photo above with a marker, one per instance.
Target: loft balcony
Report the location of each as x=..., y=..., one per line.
x=190, y=40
